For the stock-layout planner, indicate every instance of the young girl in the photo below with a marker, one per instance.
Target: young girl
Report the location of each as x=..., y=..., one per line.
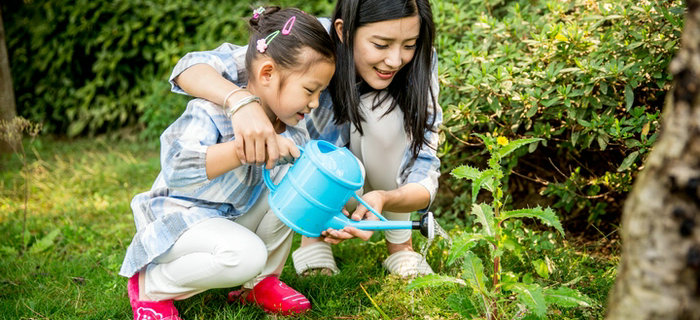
x=382, y=102
x=206, y=223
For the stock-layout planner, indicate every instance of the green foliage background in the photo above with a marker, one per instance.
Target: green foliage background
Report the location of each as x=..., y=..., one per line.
x=588, y=77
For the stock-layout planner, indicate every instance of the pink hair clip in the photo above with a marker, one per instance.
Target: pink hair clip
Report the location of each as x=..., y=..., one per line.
x=257, y=12
x=288, y=25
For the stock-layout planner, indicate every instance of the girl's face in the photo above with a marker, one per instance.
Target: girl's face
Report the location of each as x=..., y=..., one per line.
x=382, y=48
x=301, y=90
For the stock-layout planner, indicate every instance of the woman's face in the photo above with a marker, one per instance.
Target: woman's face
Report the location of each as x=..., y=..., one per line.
x=382, y=48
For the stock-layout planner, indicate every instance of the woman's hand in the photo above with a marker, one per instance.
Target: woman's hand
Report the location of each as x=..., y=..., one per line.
x=334, y=236
x=374, y=199
x=256, y=139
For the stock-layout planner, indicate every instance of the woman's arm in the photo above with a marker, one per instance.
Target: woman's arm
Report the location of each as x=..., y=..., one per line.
x=201, y=74
x=407, y=198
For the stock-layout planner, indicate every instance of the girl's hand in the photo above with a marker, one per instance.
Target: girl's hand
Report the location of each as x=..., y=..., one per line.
x=256, y=139
x=288, y=150
x=374, y=199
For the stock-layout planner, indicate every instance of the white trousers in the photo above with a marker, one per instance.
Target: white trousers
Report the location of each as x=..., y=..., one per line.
x=381, y=149
x=220, y=253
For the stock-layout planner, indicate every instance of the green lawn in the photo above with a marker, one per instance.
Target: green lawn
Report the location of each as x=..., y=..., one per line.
x=79, y=225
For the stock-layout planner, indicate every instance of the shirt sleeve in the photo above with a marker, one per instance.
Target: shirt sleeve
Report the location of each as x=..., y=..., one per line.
x=184, y=148
x=228, y=59
x=425, y=169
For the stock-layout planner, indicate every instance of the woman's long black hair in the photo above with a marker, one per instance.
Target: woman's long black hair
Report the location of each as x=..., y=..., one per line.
x=410, y=88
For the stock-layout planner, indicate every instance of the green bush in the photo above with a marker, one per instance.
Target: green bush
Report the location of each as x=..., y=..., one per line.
x=86, y=67
x=589, y=77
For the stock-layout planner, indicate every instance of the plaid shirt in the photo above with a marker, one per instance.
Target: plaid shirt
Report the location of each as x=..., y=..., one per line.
x=182, y=195
x=229, y=61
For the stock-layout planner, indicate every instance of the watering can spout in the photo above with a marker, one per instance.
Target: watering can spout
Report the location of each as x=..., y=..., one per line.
x=426, y=224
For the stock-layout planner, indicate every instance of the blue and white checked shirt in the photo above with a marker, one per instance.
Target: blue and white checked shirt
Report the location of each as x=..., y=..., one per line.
x=182, y=195
x=229, y=61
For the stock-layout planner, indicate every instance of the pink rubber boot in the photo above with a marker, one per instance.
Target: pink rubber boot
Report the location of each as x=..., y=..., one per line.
x=273, y=296
x=149, y=310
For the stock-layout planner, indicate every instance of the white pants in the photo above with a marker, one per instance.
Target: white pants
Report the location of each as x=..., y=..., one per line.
x=220, y=253
x=381, y=149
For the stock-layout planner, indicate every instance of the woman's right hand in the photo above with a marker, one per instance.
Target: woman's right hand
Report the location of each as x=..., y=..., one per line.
x=256, y=140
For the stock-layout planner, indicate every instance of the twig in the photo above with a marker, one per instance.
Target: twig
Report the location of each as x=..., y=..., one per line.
x=536, y=179
x=30, y=308
x=374, y=303
x=557, y=168
x=463, y=141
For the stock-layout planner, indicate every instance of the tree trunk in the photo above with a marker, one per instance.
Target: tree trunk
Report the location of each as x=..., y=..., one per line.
x=659, y=275
x=8, y=109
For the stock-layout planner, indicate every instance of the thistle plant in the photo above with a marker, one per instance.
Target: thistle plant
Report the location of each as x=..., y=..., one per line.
x=489, y=294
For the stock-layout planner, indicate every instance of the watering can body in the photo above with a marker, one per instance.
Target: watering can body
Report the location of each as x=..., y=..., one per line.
x=311, y=196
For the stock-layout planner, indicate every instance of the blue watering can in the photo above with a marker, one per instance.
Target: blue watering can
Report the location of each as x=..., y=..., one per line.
x=310, y=197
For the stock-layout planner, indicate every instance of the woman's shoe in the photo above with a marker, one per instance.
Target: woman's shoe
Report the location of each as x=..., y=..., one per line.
x=149, y=310
x=273, y=296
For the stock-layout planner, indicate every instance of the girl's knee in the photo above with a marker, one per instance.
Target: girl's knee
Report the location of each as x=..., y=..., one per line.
x=243, y=261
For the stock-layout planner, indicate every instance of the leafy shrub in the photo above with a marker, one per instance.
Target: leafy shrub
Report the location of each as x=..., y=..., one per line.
x=588, y=77
x=85, y=67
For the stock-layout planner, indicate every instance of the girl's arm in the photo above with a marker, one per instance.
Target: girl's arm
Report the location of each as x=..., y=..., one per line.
x=222, y=158
x=211, y=75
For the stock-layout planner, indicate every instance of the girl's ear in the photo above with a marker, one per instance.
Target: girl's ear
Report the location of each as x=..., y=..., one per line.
x=338, y=26
x=264, y=72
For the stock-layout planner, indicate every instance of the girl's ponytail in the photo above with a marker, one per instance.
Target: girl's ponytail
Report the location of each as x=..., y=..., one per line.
x=259, y=15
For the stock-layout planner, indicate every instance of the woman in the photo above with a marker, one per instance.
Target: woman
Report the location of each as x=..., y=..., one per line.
x=381, y=102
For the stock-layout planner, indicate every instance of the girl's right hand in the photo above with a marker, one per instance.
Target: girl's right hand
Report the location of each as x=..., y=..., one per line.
x=288, y=150
x=256, y=140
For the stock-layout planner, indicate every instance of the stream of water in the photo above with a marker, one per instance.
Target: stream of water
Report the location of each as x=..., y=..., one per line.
x=437, y=231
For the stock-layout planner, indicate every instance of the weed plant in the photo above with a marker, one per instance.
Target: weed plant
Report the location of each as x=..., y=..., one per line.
x=493, y=291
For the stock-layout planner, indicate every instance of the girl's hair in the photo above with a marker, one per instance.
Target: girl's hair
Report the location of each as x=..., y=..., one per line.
x=410, y=88
x=284, y=50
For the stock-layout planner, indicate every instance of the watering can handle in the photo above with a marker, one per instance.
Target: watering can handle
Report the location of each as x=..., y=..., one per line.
x=266, y=174
x=359, y=199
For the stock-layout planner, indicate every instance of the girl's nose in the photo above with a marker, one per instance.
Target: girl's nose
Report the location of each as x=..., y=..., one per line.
x=313, y=104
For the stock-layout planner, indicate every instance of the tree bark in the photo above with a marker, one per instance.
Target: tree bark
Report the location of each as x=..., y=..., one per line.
x=659, y=275
x=8, y=109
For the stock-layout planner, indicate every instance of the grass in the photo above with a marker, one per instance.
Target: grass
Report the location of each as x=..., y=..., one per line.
x=79, y=224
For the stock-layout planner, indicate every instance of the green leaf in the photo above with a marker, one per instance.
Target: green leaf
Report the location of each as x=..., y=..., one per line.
x=547, y=216
x=629, y=96
x=46, y=242
x=541, y=268
x=462, y=305
x=531, y=111
x=465, y=172
x=514, y=145
x=532, y=296
x=474, y=272
x=485, y=179
x=602, y=141
x=434, y=280
x=567, y=297
x=629, y=160
x=461, y=245
x=484, y=216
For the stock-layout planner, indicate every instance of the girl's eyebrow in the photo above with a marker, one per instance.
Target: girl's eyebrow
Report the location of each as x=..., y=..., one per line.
x=378, y=37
